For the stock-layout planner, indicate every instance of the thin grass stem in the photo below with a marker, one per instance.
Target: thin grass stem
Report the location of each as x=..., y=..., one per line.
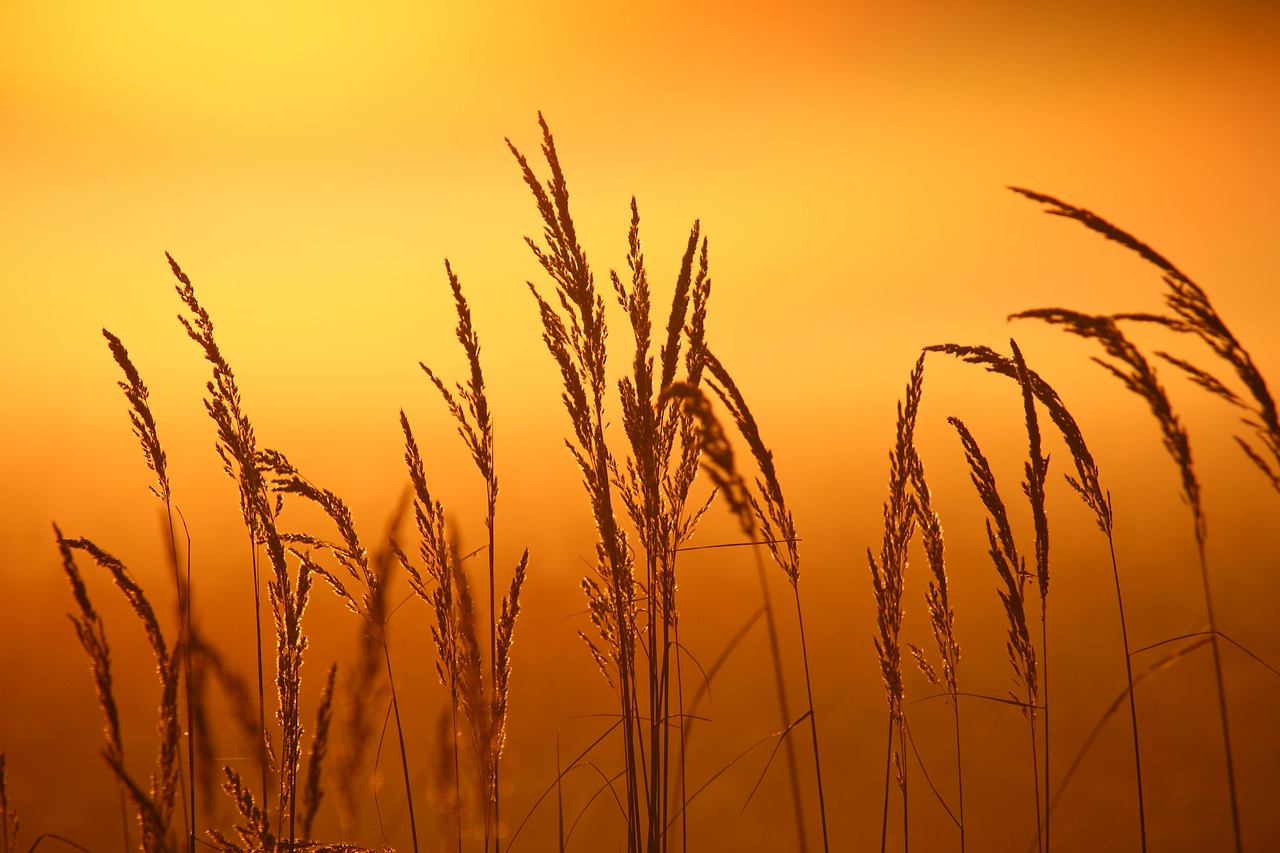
x=780, y=686
x=1133, y=710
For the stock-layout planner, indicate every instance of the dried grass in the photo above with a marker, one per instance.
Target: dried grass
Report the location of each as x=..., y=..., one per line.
x=237, y=448
x=1195, y=314
x=941, y=615
x=456, y=635
x=633, y=611
x=153, y=805
x=1087, y=485
x=763, y=509
x=639, y=494
x=575, y=336
x=888, y=578
x=1011, y=569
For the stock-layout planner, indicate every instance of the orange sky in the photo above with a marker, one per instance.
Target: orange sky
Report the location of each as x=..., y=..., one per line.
x=311, y=164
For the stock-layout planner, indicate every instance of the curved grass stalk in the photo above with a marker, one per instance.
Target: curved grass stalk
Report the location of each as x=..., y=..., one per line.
x=1087, y=485
x=1132, y=369
x=238, y=450
x=941, y=615
x=1012, y=572
x=769, y=511
x=888, y=580
x=632, y=598
x=144, y=427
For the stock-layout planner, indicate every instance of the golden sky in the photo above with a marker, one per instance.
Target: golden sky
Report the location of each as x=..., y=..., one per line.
x=311, y=164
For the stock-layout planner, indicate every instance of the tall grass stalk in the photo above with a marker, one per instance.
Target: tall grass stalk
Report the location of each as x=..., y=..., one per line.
x=1037, y=471
x=248, y=466
x=372, y=576
x=144, y=427
x=470, y=409
x=941, y=614
x=153, y=805
x=576, y=340
x=1088, y=486
x=1135, y=372
x=313, y=793
x=888, y=578
x=634, y=611
x=1011, y=568
x=767, y=513
x=784, y=709
x=1194, y=314
x=237, y=448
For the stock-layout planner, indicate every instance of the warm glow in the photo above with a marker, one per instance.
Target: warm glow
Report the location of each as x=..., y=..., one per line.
x=311, y=164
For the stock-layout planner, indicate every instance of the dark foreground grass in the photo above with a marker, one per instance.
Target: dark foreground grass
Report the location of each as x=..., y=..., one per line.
x=648, y=480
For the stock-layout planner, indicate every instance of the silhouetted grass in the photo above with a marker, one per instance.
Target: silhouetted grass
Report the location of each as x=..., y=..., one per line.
x=888, y=580
x=641, y=480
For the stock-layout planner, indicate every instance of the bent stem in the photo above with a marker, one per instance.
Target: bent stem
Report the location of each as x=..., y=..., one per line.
x=1222, y=693
x=1133, y=711
x=404, y=758
x=780, y=685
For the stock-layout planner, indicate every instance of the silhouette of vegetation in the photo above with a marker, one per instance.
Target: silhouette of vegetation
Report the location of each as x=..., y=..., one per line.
x=648, y=481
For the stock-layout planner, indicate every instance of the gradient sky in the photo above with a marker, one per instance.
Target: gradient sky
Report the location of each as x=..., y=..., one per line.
x=310, y=164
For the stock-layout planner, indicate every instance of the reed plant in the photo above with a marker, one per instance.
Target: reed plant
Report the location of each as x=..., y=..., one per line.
x=888, y=579
x=761, y=512
x=1086, y=483
x=144, y=427
x=1191, y=313
x=1131, y=367
x=455, y=633
x=152, y=805
x=261, y=501
x=1036, y=470
x=908, y=510
x=633, y=609
x=942, y=616
x=1011, y=569
x=373, y=577
x=238, y=450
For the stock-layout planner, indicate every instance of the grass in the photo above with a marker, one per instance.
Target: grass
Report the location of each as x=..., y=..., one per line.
x=654, y=455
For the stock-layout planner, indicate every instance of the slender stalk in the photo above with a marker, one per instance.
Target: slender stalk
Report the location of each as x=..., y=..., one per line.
x=813, y=720
x=1011, y=568
x=1222, y=693
x=684, y=821
x=184, y=640
x=144, y=427
x=656, y=824
x=1133, y=711
x=955, y=708
x=1044, y=680
x=902, y=751
x=404, y=758
x=888, y=763
x=262, y=702
x=491, y=490
x=1035, y=781
x=457, y=771
x=1131, y=367
x=769, y=511
x=780, y=685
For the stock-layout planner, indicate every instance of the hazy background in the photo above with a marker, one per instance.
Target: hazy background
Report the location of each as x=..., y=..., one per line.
x=311, y=164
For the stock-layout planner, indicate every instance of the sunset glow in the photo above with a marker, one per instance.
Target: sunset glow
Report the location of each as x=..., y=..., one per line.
x=311, y=165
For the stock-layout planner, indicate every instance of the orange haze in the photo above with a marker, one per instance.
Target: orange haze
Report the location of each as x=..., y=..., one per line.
x=311, y=164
